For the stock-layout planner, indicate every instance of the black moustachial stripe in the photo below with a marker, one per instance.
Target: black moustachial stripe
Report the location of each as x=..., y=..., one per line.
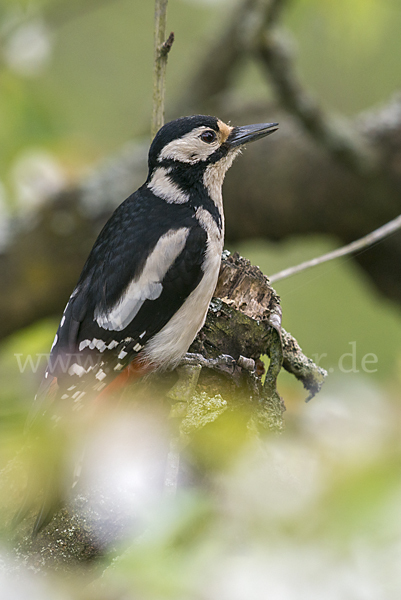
x=146, y=286
x=156, y=257
x=191, y=183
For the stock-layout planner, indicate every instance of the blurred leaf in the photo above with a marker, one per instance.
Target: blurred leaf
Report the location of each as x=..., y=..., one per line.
x=359, y=24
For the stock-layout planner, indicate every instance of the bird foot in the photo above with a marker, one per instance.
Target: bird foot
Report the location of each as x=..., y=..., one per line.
x=224, y=362
x=184, y=389
x=191, y=366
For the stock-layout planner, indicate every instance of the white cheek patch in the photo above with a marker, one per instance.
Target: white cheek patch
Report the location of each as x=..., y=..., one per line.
x=189, y=148
x=162, y=186
x=148, y=285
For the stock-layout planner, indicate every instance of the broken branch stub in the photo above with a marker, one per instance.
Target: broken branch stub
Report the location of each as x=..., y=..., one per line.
x=244, y=319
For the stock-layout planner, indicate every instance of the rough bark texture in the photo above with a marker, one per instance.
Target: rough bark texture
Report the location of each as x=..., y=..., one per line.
x=285, y=185
x=244, y=323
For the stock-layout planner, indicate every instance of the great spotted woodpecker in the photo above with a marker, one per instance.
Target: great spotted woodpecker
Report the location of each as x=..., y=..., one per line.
x=145, y=289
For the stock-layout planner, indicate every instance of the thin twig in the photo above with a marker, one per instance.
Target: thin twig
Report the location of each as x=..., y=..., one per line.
x=362, y=243
x=161, y=49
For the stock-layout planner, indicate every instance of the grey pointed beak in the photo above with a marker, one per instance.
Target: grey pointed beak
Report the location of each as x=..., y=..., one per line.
x=250, y=133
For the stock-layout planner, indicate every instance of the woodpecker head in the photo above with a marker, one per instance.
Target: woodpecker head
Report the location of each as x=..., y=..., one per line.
x=187, y=150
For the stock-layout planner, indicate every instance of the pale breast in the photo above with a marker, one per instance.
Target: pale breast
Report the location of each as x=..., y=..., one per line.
x=169, y=345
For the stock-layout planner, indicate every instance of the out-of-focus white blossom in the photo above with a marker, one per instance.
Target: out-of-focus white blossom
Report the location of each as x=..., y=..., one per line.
x=28, y=48
x=351, y=421
x=296, y=572
x=278, y=481
x=17, y=582
x=36, y=175
x=123, y=467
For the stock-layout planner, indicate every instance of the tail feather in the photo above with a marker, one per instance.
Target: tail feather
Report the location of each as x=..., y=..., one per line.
x=134, y=371
x=52, y=498
x=50, y=505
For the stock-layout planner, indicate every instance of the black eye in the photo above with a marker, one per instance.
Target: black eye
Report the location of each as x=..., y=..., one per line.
x=208, y=136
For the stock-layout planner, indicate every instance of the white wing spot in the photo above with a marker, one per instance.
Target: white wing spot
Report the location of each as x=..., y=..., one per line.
x=95, y=343
x=84, y=344
x=138, y=347
x=112, y=345
x=62, y=321
x=71, y=388
x=64, y=396
x=99, y=344
x=99, y=386
x=100, y=375
x=142, y=334
x=118, y=367
x=76, y=369
x=122, y=354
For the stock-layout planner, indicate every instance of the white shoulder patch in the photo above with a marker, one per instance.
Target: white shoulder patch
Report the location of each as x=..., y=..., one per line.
x=147, y=286
x=162, y=186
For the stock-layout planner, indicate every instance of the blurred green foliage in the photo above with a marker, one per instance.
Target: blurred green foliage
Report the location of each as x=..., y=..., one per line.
x=333, y=310
x=318, y=509
x=90, y=92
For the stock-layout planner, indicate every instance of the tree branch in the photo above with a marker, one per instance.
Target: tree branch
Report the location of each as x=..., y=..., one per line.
x=302, y=191
x=337, y=136
x=361, y=244
x=161, y=49
x=224, y=54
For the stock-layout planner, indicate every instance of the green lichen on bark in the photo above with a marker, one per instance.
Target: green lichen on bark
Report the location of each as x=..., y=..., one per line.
x=214, y=410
